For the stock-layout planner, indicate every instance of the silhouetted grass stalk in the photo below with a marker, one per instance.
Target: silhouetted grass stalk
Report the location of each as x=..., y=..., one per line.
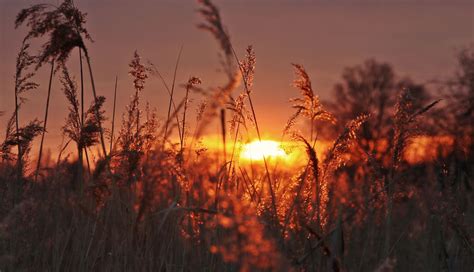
x=113, y=117
x=101, y=132
x=81, y=150
x=156, y=72
x=404, y=119
x=191, y=82
x=23, y=135
x=247, y=90
x=171, y=94
x=45, y=122
x=223, y=132
x=17, y=126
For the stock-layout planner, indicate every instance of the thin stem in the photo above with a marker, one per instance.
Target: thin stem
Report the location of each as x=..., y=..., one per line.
x=234, y=145
x=113, y=116
x=184, y=117
x=45, y=121
x=272, y=193
x=223, y=131
x=171, y=96
x=80, y=149
x=388, y=218
x=88, y=163
x=17, y=121
x=102, y=141
x=137, y=96
x=169, y=93
x=82, y=88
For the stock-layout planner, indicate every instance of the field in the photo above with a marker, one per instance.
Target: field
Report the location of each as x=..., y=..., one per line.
x=377, y=178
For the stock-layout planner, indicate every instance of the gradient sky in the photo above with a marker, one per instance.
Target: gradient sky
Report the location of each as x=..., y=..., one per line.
x=420, y=39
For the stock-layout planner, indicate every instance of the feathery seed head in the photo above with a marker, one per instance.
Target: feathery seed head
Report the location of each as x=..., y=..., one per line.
x=138, y=71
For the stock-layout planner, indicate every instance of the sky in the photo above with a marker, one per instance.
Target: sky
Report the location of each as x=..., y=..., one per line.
x=419, y=38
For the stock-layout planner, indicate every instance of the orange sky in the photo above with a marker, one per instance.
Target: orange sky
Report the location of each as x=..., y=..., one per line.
x=419, y=38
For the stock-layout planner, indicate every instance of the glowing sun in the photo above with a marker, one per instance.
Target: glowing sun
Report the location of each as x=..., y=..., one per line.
x=257, y=150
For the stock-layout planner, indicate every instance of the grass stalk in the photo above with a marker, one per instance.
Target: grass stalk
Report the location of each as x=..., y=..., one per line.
x=17, y=129
x=223, y=132
x=80, y=149
x=113, y=117
x=171, y=93
x=184, y=117
x=38, y=166
x=272, y=193
x=101, y=132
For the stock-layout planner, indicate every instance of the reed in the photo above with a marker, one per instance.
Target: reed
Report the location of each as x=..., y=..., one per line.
x=171, y=94
x=405, y=117
x=85, y=132
x=113, y=117
x=191, y=82
x=64, y=26
x=159, y=203
x=45, y=122
x=23, y=84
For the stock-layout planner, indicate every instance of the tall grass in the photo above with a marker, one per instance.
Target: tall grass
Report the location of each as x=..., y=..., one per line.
x=155, y=203
x=23, y=84
x=113, y=117
x=45, y=122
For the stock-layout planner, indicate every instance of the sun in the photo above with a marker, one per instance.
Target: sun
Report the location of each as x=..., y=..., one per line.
x=257, y=150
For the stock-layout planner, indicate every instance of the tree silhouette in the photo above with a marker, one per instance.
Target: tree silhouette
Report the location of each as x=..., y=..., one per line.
x=455, y=118
x=372, y=88
x=459, y=96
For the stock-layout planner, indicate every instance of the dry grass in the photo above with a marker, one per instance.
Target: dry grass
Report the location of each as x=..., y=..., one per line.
x=154, y=204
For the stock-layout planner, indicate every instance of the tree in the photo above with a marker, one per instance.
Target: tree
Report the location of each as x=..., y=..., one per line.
x=454, y=119
x=459, y=95
x=372, y=88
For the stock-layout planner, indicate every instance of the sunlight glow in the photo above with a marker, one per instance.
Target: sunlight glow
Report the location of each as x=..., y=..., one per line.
x=256, y=150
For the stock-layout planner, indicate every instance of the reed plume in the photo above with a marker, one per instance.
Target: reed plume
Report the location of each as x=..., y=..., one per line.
x=87, y=134
x=217, y=96
x=192, y=81
x=136, y=138
x=65, y=26
x=5, y=146
x=23, y=84
x=237, y=106
x=404, y=129
x=309, y=105
x=214, y=25
x=21, y=138
x=85, y=131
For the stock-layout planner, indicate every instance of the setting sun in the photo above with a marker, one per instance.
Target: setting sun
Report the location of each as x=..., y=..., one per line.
x=257, y=150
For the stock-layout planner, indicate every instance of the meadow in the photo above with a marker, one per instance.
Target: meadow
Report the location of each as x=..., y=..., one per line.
x=378, y=178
